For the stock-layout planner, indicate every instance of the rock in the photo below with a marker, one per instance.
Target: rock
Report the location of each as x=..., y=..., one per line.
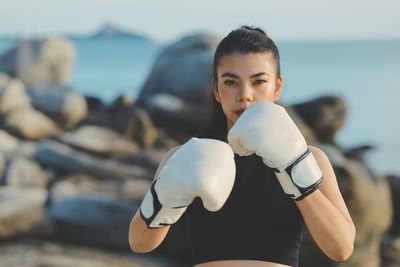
x=70, y=187
x=94, y=103
x=4, y=78
x=100, y=141
x=114, y=32
x=25, y=149
x=183, y=69
x=8, y=142
x=30, y=124
x=141, y=128
x=40, y=61
x=149, y=158
x=24, y=173
x=134, y=189
x=180, y=82
x=369, y=203
x=130, y=190
x=391, y=252
x=121, y=101
x=358, y=152
x=179, y=118
x=13, y=97
x=305, y=130
x=2, y=168
x=394, y=183
x=60, y=156
x=165, y=103
x=20, y=210
x=61, y=103
x=34, y=253
x=93, y=220
x=131, y=121
x=324, y=115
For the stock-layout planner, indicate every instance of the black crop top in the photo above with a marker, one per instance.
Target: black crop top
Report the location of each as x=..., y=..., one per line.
x=257, y=222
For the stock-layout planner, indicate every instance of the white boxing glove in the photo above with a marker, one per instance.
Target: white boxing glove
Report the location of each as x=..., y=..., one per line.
x=266, y=129
x=202, y=168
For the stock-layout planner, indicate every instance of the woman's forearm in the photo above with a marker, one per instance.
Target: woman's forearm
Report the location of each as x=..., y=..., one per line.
x=329, y=228
x=143, y=239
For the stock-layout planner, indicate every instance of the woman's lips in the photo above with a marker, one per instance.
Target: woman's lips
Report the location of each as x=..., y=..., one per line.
x=239, y=112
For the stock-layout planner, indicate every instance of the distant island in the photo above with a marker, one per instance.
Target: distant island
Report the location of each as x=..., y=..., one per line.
x=108, y=31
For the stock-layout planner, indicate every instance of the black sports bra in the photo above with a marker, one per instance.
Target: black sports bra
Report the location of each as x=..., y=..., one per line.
x=257, y=222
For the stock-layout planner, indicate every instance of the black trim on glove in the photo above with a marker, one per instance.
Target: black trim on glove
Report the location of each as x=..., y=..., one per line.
x=156, y=206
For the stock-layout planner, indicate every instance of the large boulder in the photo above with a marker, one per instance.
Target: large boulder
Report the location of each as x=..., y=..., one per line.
x=394, y=182
x=324, y=115
x=305, y=130
x=124, y=117
x=391, y=252
x=80, y=185
x=11, y=147
x=35, y=253
x=13, y=96
x=369, y=202
x=61, y=103
x=21, y=210
x=2, y=168
x=183, y=72
x=30, y=124
x=99, y=140
x=183, y=69
x=8, y=142
x=25, y=173
x=181, y=119
x=40, y=61
x=56, y=155
x=93, y=220
x=4, y=78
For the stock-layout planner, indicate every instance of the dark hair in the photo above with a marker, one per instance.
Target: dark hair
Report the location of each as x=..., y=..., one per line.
x=244, y=40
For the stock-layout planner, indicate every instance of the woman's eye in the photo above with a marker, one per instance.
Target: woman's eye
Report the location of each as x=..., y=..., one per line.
x=230, y=82
x=258, y=82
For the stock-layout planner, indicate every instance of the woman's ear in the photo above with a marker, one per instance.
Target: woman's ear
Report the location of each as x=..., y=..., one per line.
x=278, y=88
x=216, y=93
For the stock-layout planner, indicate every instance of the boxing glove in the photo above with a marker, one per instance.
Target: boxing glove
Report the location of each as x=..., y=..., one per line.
x=202, y=168
x=266, y=129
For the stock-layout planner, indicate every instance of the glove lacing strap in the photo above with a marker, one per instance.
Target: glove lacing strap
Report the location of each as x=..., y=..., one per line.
x=303, y=191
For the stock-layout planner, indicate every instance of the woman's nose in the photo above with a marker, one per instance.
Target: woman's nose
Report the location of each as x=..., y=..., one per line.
x=245, y=93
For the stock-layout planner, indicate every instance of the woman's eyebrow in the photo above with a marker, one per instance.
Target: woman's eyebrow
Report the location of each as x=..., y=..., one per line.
x=232, y=75
x=259, y=74
x=229, y=74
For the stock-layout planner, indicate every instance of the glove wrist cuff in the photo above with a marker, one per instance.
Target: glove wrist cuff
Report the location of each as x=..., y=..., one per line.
x=154, y=214
x=300, y=178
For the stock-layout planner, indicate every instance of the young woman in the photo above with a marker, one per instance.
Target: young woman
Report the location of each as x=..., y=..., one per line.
x=247, y=208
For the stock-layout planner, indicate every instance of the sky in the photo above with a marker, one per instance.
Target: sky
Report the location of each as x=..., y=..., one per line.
x=166, y=20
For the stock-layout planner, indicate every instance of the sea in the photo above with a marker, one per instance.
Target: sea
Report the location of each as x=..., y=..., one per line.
x=365, y=73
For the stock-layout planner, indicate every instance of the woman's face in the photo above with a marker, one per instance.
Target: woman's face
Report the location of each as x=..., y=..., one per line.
x=244, y=79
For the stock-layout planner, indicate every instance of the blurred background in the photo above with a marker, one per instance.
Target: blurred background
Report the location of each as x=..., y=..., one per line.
x=93, y=93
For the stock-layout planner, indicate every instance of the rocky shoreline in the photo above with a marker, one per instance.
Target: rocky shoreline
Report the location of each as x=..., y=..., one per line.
x=73, y=170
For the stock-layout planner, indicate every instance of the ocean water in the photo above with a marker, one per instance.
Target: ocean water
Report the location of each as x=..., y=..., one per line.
x=365, y=73
x=111, y=67
x=367, y=76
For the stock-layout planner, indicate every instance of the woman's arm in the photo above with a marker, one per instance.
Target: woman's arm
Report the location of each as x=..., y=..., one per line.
x=326, y=215
x=141, y=238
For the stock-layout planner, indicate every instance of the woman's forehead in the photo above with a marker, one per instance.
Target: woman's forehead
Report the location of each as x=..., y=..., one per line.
x=247, y=64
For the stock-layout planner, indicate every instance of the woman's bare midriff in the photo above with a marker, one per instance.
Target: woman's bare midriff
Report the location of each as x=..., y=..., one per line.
x=240, y=263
